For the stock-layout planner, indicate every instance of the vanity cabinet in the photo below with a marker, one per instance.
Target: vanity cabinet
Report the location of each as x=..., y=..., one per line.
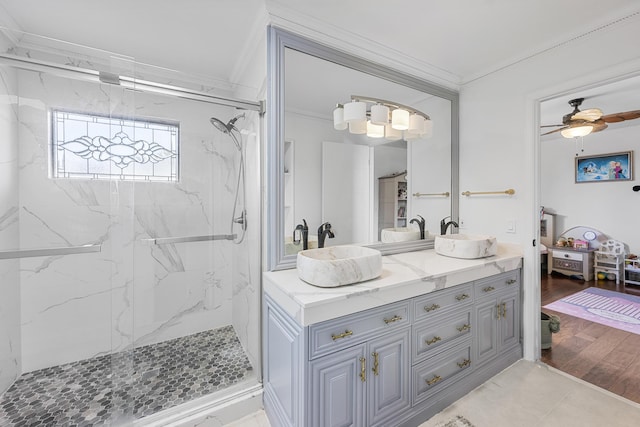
x=497, y=316
x=394, y=365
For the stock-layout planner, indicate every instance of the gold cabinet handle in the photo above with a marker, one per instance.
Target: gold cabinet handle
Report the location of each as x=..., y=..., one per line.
x=464, y=363
x=498, y=311
x=433, y=340
x=375, y=363
x=504, y=310
x=511, y=281
x=462, y=297
x=431, y=307
x=464, y=327
x=346, y=333
x=395, y=318
x=488, y=289
x=363, y=369
x=435, y=379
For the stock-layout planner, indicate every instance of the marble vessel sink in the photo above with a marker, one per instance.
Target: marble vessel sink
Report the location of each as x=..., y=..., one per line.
x=338, y=265
x=401, y=234
x=466, y=246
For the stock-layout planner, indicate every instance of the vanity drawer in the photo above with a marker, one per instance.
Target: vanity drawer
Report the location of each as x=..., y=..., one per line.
x=433, y=375
x=493, y=285
x=438, y=302
x=432, y=336
x=336, y=334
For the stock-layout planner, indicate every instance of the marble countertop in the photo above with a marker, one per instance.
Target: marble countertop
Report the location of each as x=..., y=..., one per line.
x=404, y=275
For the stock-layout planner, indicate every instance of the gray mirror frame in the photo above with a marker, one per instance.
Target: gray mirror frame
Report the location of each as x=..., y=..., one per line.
x=278, y=40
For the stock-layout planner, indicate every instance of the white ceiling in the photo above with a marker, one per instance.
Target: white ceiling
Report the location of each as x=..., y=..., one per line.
x=455, y=41
x=459, y=39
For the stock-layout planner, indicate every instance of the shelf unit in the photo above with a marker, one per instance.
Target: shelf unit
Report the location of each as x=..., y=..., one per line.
x=392, y=201
x=632, y=272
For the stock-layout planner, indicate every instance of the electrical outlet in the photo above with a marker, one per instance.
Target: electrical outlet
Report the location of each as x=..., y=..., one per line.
x=511, y=226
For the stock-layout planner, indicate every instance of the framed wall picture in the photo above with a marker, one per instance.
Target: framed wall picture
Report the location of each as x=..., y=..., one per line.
x=605, y=167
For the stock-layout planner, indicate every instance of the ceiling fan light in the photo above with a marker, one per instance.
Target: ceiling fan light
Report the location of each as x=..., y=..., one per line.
x=374, y=131
x=338, y=119
x=379, y=114
x=400, y=119
x=392, y=134
x=355, y=111
x=358, y=127
x=576, y=131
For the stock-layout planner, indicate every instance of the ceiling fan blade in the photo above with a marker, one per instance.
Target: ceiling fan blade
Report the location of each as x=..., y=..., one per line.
x=621, y=117
x=549, y=126
x=591, y=114
x=599, y=125
x=556, y=130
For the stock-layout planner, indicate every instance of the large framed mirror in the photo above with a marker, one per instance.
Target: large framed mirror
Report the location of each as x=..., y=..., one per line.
x=360, y=185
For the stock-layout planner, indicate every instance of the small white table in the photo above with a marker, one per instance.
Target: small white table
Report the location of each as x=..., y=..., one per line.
x=570, y=261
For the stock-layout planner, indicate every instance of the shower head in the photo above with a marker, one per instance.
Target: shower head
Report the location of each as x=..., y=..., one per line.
x=228, y=128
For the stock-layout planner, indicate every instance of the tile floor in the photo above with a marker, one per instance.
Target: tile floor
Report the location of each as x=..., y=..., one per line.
x=527, y=394
x=124, y=386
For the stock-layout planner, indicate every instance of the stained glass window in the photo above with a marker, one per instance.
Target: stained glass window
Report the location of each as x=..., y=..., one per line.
x=92, y=146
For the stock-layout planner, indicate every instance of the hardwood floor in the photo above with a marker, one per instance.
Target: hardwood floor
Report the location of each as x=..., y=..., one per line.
x=603, y=356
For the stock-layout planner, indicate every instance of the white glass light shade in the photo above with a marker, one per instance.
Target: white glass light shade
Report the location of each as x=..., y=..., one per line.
x=408, y=136
x=355, y=111
x=428, y=129
x=577, y=131
x=379, y=114
x=400, y=119
x=338, y=119
x=416, y=124
x=374, y=131
x=392, y=134
x=358, y=127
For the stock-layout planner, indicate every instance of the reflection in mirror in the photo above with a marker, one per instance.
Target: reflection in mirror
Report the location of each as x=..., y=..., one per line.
x=358, y=184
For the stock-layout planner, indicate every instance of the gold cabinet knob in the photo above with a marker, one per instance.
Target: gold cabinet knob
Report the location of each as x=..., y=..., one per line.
x=433, y=340
x=435, y=379
x=431, y=307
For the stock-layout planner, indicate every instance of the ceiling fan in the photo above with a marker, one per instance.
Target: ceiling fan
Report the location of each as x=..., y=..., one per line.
x=581, y=123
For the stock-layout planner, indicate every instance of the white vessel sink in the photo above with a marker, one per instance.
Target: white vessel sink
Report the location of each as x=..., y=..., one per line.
x=338, y=265
x=466, y=246
x=401, y=234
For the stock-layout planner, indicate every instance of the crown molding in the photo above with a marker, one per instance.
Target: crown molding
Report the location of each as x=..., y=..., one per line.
x=354, y=44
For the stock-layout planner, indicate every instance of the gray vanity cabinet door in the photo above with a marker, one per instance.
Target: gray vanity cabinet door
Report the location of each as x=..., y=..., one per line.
x=510, y=321
x=388, y=382
x=486, y=331
x=337, y=388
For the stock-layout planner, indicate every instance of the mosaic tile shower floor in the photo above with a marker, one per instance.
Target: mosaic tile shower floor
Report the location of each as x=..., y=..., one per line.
x=108, y=390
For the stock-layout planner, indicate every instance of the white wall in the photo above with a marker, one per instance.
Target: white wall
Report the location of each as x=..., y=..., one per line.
x=498, y=137
x=611, y=207
x=10, y=357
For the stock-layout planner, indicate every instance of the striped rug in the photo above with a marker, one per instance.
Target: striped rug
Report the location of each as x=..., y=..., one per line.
x=614, y=309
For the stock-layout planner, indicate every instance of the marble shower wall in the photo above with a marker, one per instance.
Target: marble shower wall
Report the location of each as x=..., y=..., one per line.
x=10, y=358
x=132, y=293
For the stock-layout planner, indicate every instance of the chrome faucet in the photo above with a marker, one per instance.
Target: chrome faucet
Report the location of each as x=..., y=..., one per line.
x=420, y=223
x=444, y=226
x=302, y=235
x=324, y=231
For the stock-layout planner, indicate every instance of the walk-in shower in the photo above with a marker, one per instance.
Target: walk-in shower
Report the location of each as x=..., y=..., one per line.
x=123, y=297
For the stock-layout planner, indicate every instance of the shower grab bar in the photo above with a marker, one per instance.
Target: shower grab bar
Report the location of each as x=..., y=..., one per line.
x=69, y=250
x=186, y=239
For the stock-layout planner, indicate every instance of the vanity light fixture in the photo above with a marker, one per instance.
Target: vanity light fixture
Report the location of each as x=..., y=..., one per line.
x=576, y=131
x=382, y=119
